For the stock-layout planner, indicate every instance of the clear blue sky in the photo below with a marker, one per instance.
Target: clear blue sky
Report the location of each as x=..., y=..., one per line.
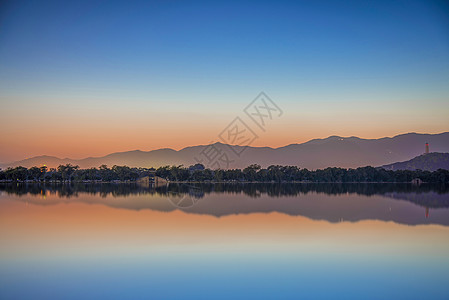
x=172, y=57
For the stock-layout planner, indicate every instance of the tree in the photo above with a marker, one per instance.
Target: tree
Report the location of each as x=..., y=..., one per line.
x=66, y=171
x=34, y=173
x=106, y=174
x=251, y=171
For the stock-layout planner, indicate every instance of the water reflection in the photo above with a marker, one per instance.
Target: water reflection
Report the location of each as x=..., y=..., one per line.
x=401, y=203
x=215, y=241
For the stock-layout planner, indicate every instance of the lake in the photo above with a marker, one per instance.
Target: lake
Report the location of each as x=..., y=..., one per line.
x=224, y=241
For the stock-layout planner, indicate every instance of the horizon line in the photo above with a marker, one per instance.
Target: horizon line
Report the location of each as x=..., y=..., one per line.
x=200, y=145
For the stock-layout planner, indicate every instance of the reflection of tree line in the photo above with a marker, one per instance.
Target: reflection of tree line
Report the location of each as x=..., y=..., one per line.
x=295, y=189
x=74, y=189
x=409, y=192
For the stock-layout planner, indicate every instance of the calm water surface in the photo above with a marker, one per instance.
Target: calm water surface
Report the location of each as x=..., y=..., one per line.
x=224, y=241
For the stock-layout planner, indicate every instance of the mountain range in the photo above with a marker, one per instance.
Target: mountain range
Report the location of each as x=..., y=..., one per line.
x=426, y=162
x=334, y=151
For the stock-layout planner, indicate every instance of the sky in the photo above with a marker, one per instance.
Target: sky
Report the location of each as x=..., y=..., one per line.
x=88, y=78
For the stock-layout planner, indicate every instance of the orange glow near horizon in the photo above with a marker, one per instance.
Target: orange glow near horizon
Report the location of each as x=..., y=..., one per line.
x=85, y=142
x=85, y=130
x=78, y=224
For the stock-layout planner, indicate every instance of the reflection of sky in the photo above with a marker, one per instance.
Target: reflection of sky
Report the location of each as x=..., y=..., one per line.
x=74, y=250
x=234, y=277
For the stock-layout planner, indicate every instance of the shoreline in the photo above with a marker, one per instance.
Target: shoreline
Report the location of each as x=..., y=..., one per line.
x=214, y=182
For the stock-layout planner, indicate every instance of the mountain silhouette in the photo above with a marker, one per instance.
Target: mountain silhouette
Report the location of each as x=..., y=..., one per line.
x=425, y=162
x=334, y=151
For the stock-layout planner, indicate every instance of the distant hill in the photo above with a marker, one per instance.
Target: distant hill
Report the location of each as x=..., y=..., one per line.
x=425, y=162
x=334, y=151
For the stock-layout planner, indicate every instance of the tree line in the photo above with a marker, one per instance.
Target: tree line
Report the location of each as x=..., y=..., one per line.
x=70, y=172
x=198, y=173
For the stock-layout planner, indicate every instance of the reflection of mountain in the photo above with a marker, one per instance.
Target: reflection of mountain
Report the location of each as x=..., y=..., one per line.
x=334, y=151
x=331, y=202
x=427, y=199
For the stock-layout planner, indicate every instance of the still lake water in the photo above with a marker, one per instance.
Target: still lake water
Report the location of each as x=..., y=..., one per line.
x=224, y=241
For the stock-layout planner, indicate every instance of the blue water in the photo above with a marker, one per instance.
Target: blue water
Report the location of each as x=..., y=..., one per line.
x=136, y=254
x=218, y=278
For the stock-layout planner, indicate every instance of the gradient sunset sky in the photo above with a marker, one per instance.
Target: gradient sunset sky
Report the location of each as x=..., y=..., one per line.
x=87, y=78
